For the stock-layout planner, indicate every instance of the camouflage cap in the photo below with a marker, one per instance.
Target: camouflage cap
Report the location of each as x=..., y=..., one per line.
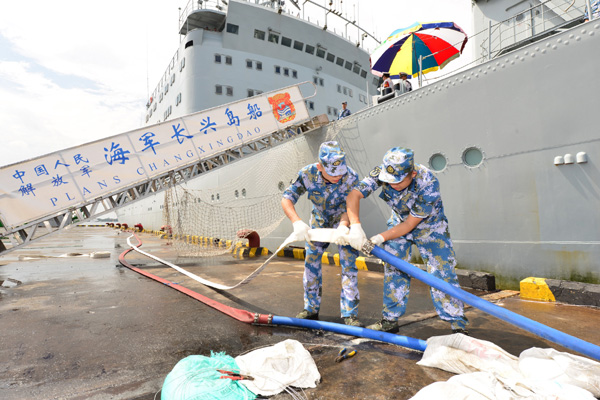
x=397, y=164
x=332, y=158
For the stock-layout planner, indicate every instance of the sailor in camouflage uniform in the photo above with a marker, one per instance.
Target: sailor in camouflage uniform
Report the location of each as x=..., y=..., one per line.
x=413, y=193
x=327, y=183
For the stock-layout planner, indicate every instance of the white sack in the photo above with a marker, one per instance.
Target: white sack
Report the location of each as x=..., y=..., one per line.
x=275, y=367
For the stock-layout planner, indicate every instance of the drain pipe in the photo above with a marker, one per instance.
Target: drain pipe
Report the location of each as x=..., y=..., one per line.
x=527, y=324
x=264, y=319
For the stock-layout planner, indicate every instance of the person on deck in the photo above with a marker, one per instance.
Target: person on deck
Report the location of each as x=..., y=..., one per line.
x=344, y=112
x=405, y=85
x=327, y=183
x=387, y=86
x=412, y=192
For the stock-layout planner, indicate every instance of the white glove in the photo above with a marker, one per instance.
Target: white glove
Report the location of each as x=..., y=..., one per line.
x=339, y=236
x=377, y=240
x=356, y=238
x=301, y=231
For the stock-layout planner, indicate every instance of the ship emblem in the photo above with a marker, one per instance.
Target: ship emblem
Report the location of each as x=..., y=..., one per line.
x=375, y=172
x=283, y=108
x=390, y=169
x=338, y=162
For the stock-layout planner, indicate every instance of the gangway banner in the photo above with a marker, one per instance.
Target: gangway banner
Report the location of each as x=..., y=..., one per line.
x=55, y=182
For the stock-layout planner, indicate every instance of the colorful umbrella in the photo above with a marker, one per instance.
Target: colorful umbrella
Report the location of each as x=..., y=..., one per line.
x=437, y=42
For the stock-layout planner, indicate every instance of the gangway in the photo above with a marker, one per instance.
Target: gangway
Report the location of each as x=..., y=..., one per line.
x=267, y=120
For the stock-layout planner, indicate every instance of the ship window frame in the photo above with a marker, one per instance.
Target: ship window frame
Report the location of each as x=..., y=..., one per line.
x=172, y=79
x=310, y=104
x=249, y=64
x=286, y=72
x=228, y=60
x=320, y=52
x=219, y=89
x=316, y=80
x=356, y=69
x=259, y=65
x=218, y=59
x=233, y=28
x=330, y=57
x=188, y=44
x=321, y=82
x=294, y=74
x=340, y=61
x=309, y=49
x=178, y=99
x=339, y=88
x=182, y=64
x=277, y=69
x=348, y=66
x=228, y=91
x=363, y=74
x=258, y=34
x=273, y=38
x=250, y=92
x=286, y=41
x=298, y=45
x=350, y=92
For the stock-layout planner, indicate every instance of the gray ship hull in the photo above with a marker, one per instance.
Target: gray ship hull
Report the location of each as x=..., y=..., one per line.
x=522, y=209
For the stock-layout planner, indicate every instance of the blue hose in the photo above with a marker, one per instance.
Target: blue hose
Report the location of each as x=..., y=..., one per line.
x=408, y=342
x=527, y=324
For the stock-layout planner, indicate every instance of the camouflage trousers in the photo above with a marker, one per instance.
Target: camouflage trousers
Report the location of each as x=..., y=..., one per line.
x=437, y=253
x=349, y=297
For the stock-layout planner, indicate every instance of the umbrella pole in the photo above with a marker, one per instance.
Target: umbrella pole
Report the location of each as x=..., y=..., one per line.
x=420, y=71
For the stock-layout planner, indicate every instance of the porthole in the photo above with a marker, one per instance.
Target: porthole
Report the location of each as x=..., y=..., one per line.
x=438, y=162
x=472, y=157
x=281, y=186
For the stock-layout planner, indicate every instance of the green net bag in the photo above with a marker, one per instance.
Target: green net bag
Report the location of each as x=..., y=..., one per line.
x=197, y=378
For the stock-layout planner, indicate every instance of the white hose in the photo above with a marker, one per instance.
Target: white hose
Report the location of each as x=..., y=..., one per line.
x=319, y=235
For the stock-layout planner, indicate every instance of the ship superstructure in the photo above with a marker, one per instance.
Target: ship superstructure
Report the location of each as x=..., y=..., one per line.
x=237, y=49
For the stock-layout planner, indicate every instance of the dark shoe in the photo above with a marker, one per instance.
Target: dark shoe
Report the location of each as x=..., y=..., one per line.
x=461, y=330
x=384, y=325
x=305, y=314
x=353, y=321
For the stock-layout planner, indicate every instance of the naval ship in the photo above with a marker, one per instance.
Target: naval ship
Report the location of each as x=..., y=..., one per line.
x=512, y=137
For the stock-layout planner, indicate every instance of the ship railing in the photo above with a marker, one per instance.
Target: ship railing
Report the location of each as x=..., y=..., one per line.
x=525, y=27
x=532, y=24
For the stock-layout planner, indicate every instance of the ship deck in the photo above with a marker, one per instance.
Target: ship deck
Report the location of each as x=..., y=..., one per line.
x=88, y=328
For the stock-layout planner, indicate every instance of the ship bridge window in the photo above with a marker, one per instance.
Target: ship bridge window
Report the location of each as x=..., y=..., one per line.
x=259, y=34
x=232, y=28
x=348, y=65
x=259, y=65
x=287, y=42
x=228, y=60
x=249, y=63
x=330, y=57
x=310, y=49
x=229, y=91
x=294, y=74
x=320, y=53
x=277, y=69
x=286, y=72
x=363, y=74
x=189, y=44
x=298, y=45
x=218, y=58
x=273, y=37
x=340, y=61
x=356, y=69
x=218, y=89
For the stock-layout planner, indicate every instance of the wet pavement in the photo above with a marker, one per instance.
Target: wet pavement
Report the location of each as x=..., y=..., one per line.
x=87, y=328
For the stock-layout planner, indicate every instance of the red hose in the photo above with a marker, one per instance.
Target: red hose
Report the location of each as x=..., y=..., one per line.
x=240, y=315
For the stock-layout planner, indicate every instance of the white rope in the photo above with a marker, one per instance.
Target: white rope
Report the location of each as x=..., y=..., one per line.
x=319, y=235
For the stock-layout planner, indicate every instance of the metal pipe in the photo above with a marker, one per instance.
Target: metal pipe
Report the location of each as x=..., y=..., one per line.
x=541, y=330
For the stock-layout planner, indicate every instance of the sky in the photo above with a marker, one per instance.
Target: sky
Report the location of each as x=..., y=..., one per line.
x=74, y=71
